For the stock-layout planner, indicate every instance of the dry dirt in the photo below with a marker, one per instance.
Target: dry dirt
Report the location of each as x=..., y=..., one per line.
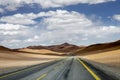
x=109, y=62
x=111, y=58
x=41, y=51
x=14, y=59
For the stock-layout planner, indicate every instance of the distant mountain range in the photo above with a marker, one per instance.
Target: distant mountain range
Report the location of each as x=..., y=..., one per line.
x=65, y=47
x=73, y=49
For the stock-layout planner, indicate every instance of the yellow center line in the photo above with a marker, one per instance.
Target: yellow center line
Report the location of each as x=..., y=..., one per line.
x=41, y=77
x=44, y=75
x=13, y=73
x=89, y=70
x=17, y=72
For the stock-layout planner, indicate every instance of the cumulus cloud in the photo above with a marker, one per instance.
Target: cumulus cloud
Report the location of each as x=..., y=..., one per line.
x=11, y=34
x=66, y=20
x=117, y=17
x=61, y=3
x=14, y=4
x=72, y=26
x=1, y=10
x=24, y=19
x=57, y=27
x=11, y=30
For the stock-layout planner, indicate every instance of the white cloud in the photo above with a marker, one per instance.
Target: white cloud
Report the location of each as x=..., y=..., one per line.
x=14, y=4
x=10, y=29
x=57, y=27
x=11, y=41
x=33, y=39
x=61, y=3
x=65, y=26
x=1, y=10
x=117, y=17
x=24, y=19
x=13, y=35
x=66, y=20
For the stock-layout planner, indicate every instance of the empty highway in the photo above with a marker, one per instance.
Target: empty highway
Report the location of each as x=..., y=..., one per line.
x=71, y=68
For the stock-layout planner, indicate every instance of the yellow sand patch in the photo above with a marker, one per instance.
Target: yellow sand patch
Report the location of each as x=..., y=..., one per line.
x=41, y=51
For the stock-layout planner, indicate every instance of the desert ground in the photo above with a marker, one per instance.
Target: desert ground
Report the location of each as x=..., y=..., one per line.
x=41, y=51
x=111, y=58
x=109, y=61
x=11, y=59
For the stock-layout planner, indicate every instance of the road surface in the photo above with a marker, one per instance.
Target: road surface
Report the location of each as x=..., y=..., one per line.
x=71, y=68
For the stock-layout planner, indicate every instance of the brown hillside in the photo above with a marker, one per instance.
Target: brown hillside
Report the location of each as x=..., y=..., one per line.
x=65, y=47
x=2, y=48
x=36, y=47
x=100, y=47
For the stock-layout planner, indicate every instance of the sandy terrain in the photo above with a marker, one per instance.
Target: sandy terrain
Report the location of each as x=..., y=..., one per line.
x=109, y=61
x=41, y=51
x=111, y=58
x=14, y=59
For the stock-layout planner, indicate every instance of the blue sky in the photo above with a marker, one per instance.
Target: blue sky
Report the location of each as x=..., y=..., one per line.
x=46, y=22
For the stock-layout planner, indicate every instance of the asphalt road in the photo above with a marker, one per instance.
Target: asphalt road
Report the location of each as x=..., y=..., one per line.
x=71, y=68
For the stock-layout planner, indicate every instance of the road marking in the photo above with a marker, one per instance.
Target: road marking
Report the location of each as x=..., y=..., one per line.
x=10, y=74
x=41, y=77
x=89, y=70
x=44, y=75
x=13, y=73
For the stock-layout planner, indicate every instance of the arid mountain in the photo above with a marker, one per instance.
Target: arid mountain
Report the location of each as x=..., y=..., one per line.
x=70, y=48
x=2, y=48
x=37, y=47
x=65, y=47
x=99, y=47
